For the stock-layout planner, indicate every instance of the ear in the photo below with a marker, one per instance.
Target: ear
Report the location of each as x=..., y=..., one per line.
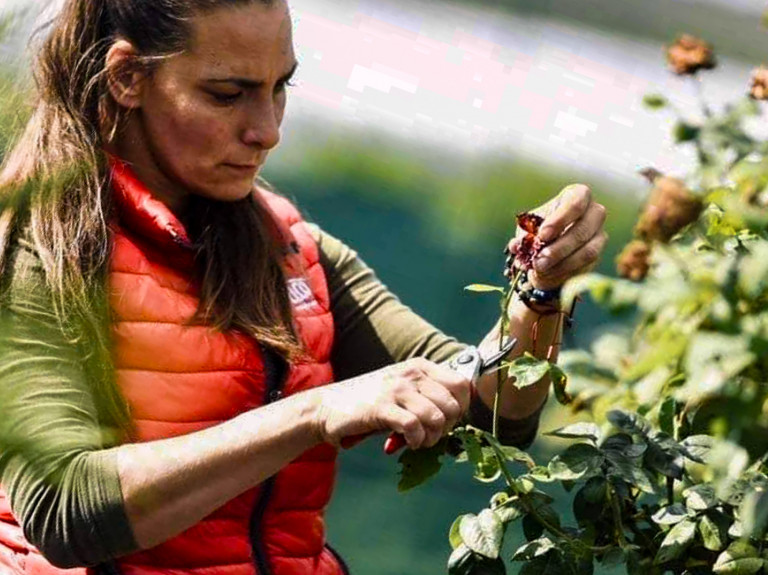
x=125, y=79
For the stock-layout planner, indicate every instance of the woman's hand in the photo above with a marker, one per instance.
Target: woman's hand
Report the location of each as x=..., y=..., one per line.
x=573, y=233
x=417, y=398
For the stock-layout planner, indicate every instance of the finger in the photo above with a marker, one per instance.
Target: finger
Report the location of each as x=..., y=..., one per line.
x=573, y=239
x=430, y=416
x=445, y=402
x=458, y=385
x=576, y=200
x=404, y=422
x=584, y=260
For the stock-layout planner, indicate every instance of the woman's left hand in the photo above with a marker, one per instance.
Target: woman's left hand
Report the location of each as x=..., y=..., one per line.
x=573, y=233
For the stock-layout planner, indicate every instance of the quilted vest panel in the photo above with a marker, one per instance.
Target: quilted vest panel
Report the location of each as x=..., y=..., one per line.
x=178, y=379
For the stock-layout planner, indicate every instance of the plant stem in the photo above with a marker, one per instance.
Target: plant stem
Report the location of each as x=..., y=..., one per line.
x=503, y=329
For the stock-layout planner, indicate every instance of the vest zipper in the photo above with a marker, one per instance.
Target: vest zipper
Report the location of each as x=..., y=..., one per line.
x=275, y=374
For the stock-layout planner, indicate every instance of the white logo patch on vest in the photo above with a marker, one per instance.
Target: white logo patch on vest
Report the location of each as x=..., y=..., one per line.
x=300, y=294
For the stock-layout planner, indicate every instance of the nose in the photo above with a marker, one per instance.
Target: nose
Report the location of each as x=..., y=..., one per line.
x=262, y=127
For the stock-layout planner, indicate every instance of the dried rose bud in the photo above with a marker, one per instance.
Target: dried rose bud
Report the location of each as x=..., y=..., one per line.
x=689, y=54
x=531, y=245
x=670, y=208
x=759, y=88
x=634, y=261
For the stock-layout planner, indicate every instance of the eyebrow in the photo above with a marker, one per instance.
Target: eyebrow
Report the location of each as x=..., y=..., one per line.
x=249, y=84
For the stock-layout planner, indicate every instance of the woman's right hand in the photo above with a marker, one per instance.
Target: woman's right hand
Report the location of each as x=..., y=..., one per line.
x=420, y=399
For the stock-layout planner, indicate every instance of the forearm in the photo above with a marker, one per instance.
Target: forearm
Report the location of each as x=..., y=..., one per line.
x=169, y=485
x=517, y=403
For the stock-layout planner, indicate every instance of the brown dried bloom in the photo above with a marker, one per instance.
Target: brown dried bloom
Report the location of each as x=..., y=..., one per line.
x=689, y=54
x=759, y=88
x=634, y=261
x=670, y=208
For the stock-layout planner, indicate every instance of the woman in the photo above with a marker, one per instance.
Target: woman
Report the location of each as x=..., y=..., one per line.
x=167, y=404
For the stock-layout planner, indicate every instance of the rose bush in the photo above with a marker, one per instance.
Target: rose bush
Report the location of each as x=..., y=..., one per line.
x=668, y=473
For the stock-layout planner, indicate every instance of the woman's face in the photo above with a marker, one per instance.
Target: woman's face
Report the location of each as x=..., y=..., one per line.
x=207, y=118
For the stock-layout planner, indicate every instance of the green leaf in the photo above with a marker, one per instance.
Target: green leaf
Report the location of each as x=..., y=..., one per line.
x=664, y=455
x=581, y=430
x=454, y=537
x=698, y=447
x=510, y=510
x=417, y=466
x=700, y=497
x=676, y=542
x=482, y=533
x=533, y=549
x=655, y=101
x=667, y=413
x=670, y=515
x=577, y=462
x=629, y=422
x=532, y=529
x=461, y=561
x=739, y=559
x=714, y=533
x=590, y=501
x=684, y=132
x=559, y=381
x=753, y=512
x=527, y=370
x=712, y=359
x=482, y=288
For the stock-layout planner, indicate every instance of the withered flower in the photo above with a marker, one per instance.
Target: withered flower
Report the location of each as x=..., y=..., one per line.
x=634, y=261
x=670, y=208
x=759, y=88
x=689, y=54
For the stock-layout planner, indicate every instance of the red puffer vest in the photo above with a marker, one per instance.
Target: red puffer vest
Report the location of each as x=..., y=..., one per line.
x=179, y=379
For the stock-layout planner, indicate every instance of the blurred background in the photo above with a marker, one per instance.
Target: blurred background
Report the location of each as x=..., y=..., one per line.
x=417, y=130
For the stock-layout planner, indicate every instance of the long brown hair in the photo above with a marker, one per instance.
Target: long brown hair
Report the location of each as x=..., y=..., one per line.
x=54, y=184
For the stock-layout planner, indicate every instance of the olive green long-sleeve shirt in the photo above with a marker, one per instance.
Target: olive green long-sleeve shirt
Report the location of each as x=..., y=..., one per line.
x=68, y=497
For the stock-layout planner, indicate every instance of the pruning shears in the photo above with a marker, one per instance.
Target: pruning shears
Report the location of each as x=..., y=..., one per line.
x=469, y=363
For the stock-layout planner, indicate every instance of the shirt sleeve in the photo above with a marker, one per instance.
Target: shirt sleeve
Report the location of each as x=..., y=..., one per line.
x=63, y=487
x=374, y=329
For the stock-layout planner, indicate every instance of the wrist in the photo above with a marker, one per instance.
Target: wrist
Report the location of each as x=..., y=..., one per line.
x=311, y=415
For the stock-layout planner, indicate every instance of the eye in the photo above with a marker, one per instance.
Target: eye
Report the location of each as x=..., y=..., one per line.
x=281, y=86
x=226, y=98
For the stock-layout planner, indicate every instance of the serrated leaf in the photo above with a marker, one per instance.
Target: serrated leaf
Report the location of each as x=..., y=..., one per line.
x=527, y=370
x=581, y=430
x=676, y=542
x=533, y=549
x=482, y=533
x=670, y=515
